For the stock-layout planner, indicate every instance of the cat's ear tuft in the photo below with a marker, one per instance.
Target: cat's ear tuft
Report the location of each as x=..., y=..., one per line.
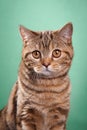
x=26, y=34
x=66, y=32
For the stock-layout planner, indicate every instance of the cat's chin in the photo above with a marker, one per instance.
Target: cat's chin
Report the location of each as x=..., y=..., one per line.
x=46, y=72
x=47, y=76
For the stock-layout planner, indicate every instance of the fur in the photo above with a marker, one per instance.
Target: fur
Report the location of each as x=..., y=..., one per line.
x=40, y=99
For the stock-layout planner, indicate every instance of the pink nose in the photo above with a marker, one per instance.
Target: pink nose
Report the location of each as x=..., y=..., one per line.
x=46, y=64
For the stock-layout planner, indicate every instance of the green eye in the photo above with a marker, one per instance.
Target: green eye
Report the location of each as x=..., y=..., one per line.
x=56, y=53
x=36, y=54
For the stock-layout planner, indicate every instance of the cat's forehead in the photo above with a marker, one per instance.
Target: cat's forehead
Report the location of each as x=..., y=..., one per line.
x=45, y=40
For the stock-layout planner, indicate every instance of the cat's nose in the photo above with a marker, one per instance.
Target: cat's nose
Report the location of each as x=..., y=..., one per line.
x=46, y=64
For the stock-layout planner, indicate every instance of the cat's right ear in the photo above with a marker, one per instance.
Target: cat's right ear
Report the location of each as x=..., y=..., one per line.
x=26, y=34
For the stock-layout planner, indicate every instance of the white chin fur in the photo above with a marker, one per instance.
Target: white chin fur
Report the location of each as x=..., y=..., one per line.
x=42, y=71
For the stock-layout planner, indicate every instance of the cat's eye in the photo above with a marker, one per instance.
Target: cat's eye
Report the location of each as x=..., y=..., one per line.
x=56, y=53
x=36, y=54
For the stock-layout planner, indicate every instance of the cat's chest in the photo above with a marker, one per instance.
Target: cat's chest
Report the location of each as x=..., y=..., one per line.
x=38, y=100
x=40, y=108
x=43, y=116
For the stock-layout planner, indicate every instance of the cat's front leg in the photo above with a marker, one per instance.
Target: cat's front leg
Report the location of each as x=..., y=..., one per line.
x=59, y=127
x=59, y=116
x=29, y=119
x=27, y=126
x=11, y=109
x=24, y=125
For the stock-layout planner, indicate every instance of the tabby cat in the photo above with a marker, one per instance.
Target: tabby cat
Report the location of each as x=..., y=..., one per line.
x=40, y=99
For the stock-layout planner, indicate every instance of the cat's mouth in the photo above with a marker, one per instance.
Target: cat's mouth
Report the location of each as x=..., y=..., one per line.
x=44, y=71
x=49, y=73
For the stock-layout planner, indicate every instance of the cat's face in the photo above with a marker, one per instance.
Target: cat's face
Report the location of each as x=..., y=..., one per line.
x=48, y=53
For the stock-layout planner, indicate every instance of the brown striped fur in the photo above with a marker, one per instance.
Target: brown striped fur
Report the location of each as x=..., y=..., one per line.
x=40, y=99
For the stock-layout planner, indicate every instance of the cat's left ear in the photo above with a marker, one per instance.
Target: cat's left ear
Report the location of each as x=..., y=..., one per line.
x=27, y=34
x=65, y=33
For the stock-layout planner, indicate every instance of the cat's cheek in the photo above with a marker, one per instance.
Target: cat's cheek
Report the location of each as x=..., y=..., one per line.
x=37, y=70
x=53, y=68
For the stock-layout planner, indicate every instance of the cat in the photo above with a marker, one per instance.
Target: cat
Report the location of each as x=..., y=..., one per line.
x=40, y=99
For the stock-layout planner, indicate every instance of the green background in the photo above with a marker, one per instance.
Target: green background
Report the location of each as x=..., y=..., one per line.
x=45, y=15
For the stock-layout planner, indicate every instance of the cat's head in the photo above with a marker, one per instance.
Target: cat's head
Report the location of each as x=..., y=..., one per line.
x=49, y=53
